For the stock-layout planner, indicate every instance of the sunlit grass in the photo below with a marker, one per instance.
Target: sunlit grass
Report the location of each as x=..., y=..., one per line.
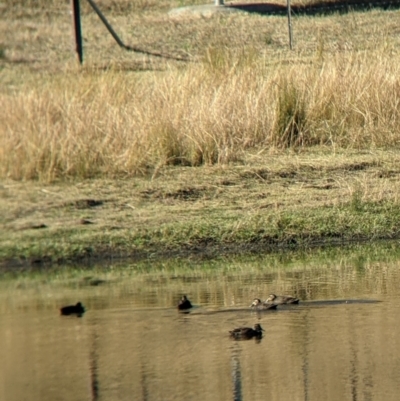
x=243, y=90
x=202, y=153
x=111, y=124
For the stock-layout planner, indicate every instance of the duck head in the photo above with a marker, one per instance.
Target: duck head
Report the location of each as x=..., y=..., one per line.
x=256, y=302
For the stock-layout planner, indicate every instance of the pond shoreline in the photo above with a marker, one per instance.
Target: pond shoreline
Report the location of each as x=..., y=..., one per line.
x=276, y=203
x=200, y=252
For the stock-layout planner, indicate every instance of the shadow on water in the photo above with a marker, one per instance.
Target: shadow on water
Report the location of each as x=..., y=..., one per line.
x=340, y=302
x=305, y=304
x=318, y=7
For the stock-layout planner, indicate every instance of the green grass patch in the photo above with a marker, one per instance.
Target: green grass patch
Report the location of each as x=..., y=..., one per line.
x=263, y=232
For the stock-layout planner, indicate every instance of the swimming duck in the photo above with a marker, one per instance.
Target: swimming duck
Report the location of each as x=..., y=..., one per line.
x=184, y=303
x=77, y=309
x=247, y=332
x=281, y=299
x=262, y=305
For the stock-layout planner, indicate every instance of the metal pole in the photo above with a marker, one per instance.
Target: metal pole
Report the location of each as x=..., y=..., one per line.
x=76, y=20
x=289, y=14
x=106, y=23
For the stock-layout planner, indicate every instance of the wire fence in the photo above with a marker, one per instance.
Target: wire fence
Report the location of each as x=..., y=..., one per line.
x=315, y=8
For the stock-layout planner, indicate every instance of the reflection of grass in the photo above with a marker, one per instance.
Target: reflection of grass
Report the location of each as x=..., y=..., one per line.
x=222, y=281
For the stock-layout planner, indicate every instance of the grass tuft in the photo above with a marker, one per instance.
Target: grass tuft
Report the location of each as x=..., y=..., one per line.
x=291, y=117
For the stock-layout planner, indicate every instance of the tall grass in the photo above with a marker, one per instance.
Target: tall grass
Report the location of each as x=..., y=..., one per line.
x=115, y=123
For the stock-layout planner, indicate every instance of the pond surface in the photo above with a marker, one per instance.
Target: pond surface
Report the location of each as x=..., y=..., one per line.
x=342, y=342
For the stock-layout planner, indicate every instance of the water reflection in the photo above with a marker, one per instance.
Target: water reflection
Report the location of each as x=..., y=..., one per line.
x=340, y=342
x=94, y=363
x=236, y=374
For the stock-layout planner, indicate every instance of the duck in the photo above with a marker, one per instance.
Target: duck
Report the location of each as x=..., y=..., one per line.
x=184, y=303
x=77, y=309
x=247, y=332
x=259, y=305
x=281, y=299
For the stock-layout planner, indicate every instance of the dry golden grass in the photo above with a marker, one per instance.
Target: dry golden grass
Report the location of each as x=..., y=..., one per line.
x=244, y=90
x=110, y=123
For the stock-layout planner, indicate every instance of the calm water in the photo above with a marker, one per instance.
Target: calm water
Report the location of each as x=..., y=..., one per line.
x=132, y=344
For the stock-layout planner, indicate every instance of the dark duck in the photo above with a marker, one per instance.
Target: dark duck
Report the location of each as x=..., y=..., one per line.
x=77, y=309
x=184, y=303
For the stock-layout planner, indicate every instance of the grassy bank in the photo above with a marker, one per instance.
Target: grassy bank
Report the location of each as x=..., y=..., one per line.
x=242, y=145
x=288, y=201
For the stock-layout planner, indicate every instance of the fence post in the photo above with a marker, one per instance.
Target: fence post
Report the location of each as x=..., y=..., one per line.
x=289, y=14
x=76, y=21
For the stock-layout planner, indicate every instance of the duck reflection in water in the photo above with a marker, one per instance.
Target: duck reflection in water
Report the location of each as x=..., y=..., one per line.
x=258, y=305
x=77, y=309
x=184, y=303
x=281, y=299
x=246, y=333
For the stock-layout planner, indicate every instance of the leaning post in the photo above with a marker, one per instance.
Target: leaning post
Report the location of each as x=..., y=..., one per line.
x=76, y=21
